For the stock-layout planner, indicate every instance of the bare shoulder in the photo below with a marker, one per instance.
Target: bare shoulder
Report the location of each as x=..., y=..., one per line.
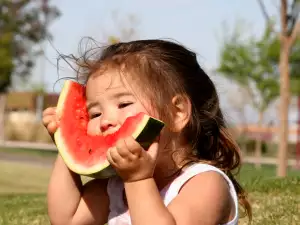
x=210, y=181
x=204, y=199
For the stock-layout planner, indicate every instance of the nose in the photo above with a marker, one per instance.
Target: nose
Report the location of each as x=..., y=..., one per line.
x=107, y=123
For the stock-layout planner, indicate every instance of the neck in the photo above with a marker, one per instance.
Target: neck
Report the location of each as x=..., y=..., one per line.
x=168, y=167
x=164, y=174
x=173, y=156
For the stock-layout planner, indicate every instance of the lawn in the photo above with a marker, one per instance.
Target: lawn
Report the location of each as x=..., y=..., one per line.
x=274, y=201
x=23, y=199
x=29, y=153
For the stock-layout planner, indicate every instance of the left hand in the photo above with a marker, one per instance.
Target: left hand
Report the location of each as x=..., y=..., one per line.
x=131, y=161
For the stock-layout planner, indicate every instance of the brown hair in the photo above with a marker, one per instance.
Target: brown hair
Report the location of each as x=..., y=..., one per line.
x=171, y=69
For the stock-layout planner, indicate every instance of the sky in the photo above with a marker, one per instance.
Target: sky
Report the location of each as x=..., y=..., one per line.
x=198, y=24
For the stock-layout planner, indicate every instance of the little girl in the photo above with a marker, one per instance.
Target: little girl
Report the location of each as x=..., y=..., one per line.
x=185, y=177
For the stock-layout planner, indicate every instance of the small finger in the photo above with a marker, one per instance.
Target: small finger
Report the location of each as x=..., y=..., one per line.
x=47, y=119
x=109, y=158
x=133, y=146
x=122, y=148
x=153, y=151
x=125, y=152
x=52, y=127
x=115, y=155
x=49, y=111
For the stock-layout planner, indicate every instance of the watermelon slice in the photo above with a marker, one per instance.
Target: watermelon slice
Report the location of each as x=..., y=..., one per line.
x=85, y=154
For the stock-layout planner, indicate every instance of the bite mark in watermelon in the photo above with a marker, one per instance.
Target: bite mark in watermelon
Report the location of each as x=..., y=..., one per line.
x=85, y=154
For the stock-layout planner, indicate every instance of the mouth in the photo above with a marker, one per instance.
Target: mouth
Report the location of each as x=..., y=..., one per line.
x=110, y=132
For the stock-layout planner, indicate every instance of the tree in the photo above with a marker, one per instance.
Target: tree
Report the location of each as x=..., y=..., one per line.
x=238, y=100
x=125, y=28
x=294, y=65
x=289, y=29
x=23, y=25
x=247, y=63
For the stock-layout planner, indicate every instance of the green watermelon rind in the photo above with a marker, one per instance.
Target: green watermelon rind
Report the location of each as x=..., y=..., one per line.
x=145, y=133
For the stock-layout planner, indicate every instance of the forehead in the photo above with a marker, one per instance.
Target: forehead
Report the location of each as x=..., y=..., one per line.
x=107, y=82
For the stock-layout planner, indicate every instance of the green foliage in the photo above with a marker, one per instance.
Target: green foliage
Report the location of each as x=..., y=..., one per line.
x=273, y=54
x=250, y=63
x=6, y=60
x=23, y=24
x=253, y=62
x=295, y=68
x=113, y=40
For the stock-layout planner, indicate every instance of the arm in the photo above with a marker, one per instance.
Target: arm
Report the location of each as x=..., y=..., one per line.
x=204, y=199
x=71, y=203
x=145, y=204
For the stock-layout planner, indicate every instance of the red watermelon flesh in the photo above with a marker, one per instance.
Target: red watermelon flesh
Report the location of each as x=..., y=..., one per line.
x=85, y=154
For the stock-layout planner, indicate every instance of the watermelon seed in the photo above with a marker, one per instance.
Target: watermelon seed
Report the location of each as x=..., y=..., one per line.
x=90, y=151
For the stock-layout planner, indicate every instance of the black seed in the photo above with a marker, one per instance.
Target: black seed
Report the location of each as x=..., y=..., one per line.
x=90, y=151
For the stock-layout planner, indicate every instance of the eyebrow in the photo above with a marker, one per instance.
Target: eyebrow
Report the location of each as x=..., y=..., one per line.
x=91, y=105
x=121, y=94
x=114, y=96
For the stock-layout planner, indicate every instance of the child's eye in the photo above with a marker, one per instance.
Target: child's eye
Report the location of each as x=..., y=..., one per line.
x=95, y=115
x=124, y=104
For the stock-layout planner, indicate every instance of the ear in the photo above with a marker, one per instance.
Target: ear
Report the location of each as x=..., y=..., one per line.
x=181, y=111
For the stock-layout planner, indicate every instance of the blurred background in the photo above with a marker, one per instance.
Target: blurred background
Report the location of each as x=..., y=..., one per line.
x=251, y=50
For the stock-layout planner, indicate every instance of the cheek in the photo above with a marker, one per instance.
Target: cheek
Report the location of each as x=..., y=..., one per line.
x=150, y=110
x=132, y=111
x=125, y=114
x=92, y=128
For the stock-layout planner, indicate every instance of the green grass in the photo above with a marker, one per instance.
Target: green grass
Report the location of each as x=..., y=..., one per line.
x=22, y=194
x=21, y=209
x=22, y=178
x=23, y=199
x=33, y=153
x=273, y=200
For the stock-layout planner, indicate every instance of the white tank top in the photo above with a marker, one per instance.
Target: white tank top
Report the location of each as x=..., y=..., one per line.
x=119, y=214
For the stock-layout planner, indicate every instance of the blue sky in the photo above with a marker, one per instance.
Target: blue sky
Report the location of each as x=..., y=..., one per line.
x=198, y=24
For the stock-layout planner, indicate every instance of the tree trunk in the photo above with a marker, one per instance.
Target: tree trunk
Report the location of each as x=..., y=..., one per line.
x=298, y=137
x=258, y=143
x=39, y=106
x=284, y=108
x=244, y=145
x=2, y=115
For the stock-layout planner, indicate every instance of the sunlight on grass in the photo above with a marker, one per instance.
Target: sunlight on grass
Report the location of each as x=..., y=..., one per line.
x=23, y=178
x=23, y=195
x=273, y=200
x=33, y=153
x=23, y=209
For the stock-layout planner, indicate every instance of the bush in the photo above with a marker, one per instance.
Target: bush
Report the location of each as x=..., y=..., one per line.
x=248, y=145
x=268, y=148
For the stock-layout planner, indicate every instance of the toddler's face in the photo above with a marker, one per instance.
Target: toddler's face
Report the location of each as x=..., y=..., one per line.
x=110, y=100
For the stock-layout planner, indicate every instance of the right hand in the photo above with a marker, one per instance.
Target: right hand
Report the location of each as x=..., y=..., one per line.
x=50, y=120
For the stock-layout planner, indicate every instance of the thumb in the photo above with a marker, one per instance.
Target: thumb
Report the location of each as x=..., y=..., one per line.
x=153, y=151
